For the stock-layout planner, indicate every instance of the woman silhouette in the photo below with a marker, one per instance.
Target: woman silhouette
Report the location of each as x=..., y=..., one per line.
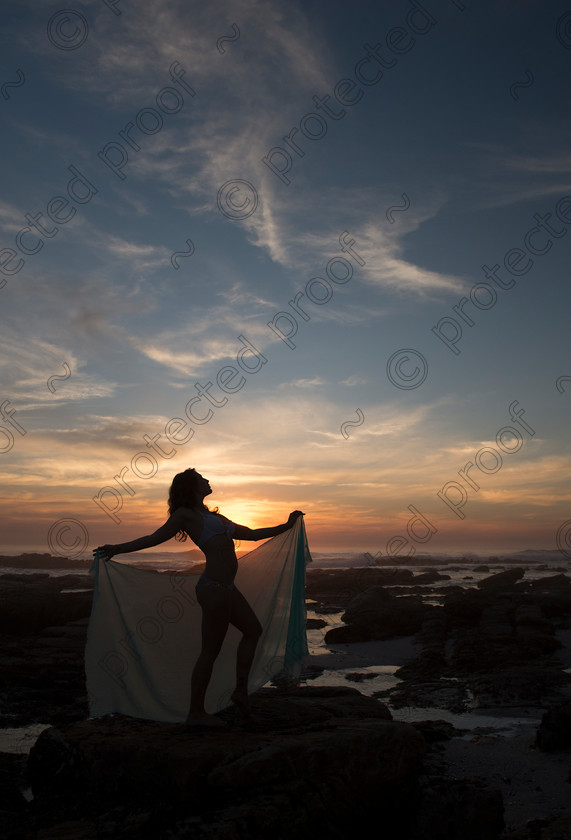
x=222, y=604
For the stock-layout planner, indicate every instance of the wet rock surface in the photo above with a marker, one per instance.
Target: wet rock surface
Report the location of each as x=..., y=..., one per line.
x=500, y=580
x=554, y=732
x=494, y=646
x=311, y=762
x=550, y=828
x=465, y=808
x=43, y=623
x=480, y=647
x=334, y=589
x=489, y=648
x=29, y=603
x=308, y=761
x=377, y=614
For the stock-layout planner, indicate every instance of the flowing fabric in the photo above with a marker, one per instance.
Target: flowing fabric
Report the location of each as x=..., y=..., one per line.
x=144, y=633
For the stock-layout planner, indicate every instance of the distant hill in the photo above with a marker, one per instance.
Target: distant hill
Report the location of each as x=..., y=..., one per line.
x=47, y=561
x=42, y=561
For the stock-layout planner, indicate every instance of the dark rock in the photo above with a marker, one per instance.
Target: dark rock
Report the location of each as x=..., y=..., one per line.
x=520, y=686
x=372, y=600
x=531, y=615
x=436, y=730
x=347, y=635
x=554, y=602
x=550, y=828
x=557, y=828
x=308, y=763
x=431, y=663
x=310, y=672
x=502, y=579
x=332, y=590
x=462, y=808
x=493, y=627
x=11, y=777
x=357, y=676
x=430, y=577
x=43, y=678
x=382, y=615
x=487, y=647
x=441, y=693
x=463, y=607
x=28, y=607
x=321, y=702
x=315, y=623
x=551, y=582
x=428, y=665
x=554, y=731
x=496, y=620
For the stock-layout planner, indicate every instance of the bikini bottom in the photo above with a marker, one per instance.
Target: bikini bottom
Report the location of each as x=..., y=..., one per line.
x=203, y=580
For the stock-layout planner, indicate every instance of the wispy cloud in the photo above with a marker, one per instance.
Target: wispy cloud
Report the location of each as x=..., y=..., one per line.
x=279, y=230
x=500, y=170
x=38, y=374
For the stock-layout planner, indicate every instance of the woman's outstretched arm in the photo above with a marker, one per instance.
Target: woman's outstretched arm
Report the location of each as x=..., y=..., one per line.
x=171, y=527
x=241, y=532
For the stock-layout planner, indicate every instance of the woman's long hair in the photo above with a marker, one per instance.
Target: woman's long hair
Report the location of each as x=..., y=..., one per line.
x=183, y=493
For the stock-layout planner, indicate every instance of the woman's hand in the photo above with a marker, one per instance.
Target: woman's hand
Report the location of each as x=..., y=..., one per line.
x=293, y=517
x=107, y=550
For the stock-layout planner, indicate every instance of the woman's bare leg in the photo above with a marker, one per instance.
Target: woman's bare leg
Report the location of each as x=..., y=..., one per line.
x=244, y=618
x=216, y=611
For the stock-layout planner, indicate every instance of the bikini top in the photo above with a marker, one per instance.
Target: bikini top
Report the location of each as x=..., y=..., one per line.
x=214, y=524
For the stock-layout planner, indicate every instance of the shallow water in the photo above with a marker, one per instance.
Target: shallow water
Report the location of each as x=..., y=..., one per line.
x=21, y=739
x=380, y=677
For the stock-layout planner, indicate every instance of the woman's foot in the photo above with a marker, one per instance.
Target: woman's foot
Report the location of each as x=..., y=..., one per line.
x=205, y=720
x=242, y=701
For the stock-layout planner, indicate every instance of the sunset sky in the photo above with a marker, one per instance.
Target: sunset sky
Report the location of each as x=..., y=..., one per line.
x=200, y=266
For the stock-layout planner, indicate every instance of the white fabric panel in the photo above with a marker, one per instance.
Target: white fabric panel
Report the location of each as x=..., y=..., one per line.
x=144, y=632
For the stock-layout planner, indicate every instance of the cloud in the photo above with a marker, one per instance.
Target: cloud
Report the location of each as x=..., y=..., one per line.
x=506, y=176
x=315, y=382
x=130, y=54
x=11, y=219
x=185, y=364
x=202, y=146
x=380, y=249
x=30, y=366
x=202, y=342
x=353, y=380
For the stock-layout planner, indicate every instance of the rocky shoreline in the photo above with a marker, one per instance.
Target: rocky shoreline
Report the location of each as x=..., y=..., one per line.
x=326, y=756
x=497, y=644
